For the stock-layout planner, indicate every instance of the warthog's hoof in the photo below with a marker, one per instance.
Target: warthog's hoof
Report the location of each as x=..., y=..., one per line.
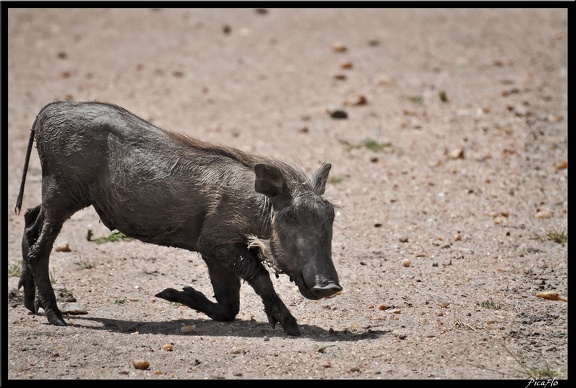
x=55, y=318
x=169, y=294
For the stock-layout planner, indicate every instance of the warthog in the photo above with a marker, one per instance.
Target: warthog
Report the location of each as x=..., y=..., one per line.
x=238, y=210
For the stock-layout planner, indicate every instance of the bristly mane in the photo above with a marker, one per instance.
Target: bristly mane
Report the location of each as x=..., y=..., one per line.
x=249, y=160
x=291, y=173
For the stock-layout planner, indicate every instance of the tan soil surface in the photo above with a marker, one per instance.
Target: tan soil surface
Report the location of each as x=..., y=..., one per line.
x=442, y=237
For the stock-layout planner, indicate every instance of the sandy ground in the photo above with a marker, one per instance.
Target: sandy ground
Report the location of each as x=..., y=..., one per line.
x=449, y=173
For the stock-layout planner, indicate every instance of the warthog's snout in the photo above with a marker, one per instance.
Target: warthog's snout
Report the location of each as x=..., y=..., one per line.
x=317, y=288
x=326, y=290
x=319, y=280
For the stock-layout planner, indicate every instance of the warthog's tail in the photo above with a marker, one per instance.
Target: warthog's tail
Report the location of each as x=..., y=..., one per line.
x=24, y=172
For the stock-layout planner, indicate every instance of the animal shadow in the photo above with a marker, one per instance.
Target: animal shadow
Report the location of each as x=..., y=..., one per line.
x=208, y=327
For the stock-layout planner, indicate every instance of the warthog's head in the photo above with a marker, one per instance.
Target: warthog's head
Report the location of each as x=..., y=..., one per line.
x=300, y=244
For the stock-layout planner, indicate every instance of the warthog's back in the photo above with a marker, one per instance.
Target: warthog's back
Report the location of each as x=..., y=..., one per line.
x=79, y=139
x=138, y=176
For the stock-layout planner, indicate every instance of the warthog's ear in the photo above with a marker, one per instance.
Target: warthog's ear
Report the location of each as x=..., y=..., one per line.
x=269, y=181
x=320, y=178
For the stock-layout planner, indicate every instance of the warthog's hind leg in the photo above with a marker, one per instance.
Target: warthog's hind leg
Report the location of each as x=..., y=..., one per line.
x=33, y=223
x=43, y=224
x=37, y=242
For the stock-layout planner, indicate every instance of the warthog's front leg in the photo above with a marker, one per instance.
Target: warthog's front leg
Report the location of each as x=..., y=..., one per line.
x=226, y=286
x=225, y=278
x=275, y=309
x=250, y=268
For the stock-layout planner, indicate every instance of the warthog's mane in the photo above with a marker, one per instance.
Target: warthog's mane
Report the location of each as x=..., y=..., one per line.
x=296, y=178
x=247, y=159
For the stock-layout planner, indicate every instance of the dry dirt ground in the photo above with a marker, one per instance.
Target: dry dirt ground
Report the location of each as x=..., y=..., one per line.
x=449, y=173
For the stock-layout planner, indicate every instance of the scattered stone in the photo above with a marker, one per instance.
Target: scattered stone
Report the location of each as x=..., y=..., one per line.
x=457, y=153
x=73, y=308
x=561, y=165
x=382, y=80
x=237, y=350
x=555, y=118
x=188, y=329
x=62, y=248
x=551, y=295
x=346, y=65
x=141, y=364
x=356, y=101
x=339, y=114
x=339, y=47
x=544, y=213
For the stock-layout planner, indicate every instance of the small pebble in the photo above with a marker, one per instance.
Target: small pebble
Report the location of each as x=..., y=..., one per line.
x=62, y=248
x=356, y=101
x=561, y=165
x=141, y=364
x=73, y=308
x=188, y=329
x=339, y=47
x=347, y=65
x=457, y=153
x=339, y=114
